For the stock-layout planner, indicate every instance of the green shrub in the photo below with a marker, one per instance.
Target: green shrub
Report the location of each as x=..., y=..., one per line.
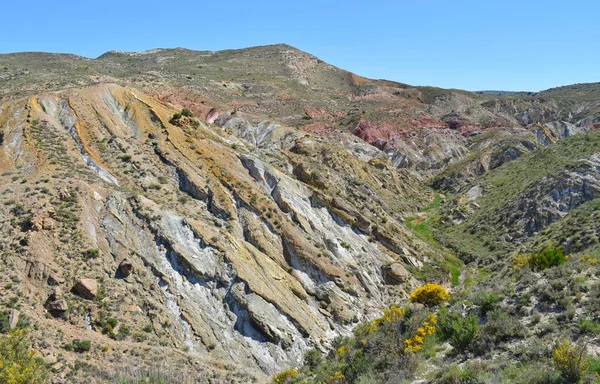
x=91, y=253
x=154, y=186
x=469, y=374
x=140, y=336
x=186, y=112
x=312, y=358
x=4, y=326
x=155, y=375
x=593, y=366
x=82, y=345
x=112, y=322
x=500, y=328
x=357, y=364
x=123, y=332
x=176, y=116
x=457, y=330
x=487, y=301
x=589, y=327
x=546, y=259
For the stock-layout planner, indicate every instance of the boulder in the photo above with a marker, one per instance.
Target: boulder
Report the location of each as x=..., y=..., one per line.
x=55, y=279
x=44, y=219
x=125, y=268
x=57, y=307
x=86, y=288
x=64, y=194
x=50, y=360
x=54, y=304
x=396, y=273
x=13, y=318
x=56, y=294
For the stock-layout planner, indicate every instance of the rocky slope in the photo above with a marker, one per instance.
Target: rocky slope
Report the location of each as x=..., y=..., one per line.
x=289, y=202
x=250, y=243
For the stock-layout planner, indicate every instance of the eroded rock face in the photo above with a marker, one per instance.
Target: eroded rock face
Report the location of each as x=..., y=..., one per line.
x=552, y=199
x=252, y=242
x=273, y=224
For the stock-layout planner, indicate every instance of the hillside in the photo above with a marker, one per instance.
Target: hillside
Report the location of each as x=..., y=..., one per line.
x=225, y=213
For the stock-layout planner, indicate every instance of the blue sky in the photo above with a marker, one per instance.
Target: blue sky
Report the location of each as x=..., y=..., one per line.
x=474, y=45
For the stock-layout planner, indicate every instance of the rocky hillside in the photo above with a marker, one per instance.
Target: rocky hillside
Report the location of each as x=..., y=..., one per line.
x=248, y=243
x=223, y=213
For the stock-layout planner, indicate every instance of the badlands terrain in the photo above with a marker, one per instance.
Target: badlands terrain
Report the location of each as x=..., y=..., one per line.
x=221, y=217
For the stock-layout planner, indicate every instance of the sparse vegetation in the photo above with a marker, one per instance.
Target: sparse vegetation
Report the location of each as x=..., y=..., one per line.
x=497, y=207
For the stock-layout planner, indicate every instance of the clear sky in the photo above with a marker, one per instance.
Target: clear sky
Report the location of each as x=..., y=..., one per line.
x=474, y=45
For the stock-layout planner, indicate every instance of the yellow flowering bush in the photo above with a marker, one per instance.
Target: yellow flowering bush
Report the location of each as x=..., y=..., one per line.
x=285, y=376
x=521, y=261
x=342, y=350
x=586, y=259
x=570, y=360
x=392, y=314
x=337, y=376
x=18, y=364
x=429, y=294
x=415, y=343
